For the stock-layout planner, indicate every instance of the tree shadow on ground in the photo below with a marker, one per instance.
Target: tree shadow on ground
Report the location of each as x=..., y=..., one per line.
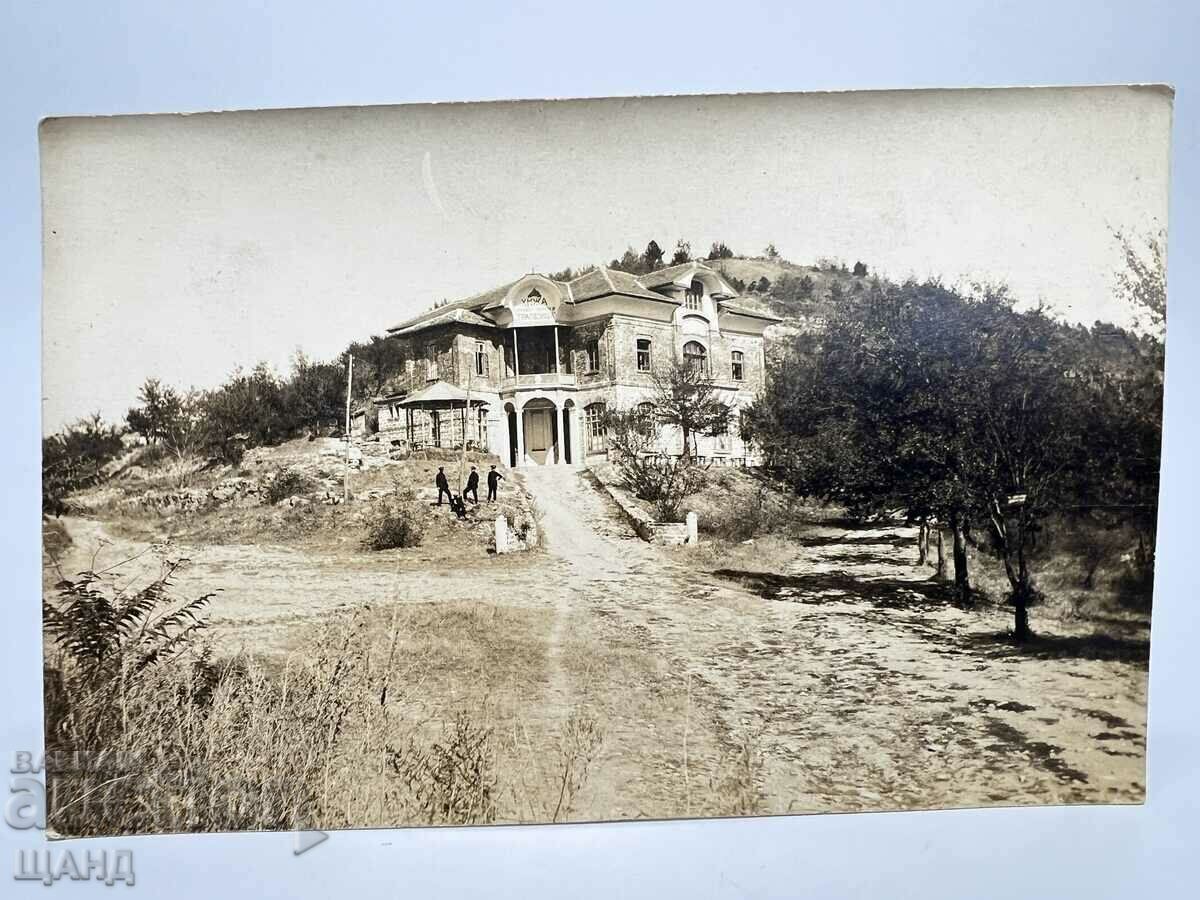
x=840, y=587
x=1099, y=647
x=859, y=540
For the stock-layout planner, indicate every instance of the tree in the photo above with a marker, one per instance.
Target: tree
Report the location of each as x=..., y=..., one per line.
x=686, y=397
x=683, y=252
x=764, y=284
x=652, y=257
x=860, y=269
x=653, y=476
x=75, y=458
x=942, y=405
x=771, y=252
x=1143, y=281
x=719, y=250
x=160, y=409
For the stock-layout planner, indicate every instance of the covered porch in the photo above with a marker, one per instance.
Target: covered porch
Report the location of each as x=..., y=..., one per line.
x=441, y=416
x=542, y=431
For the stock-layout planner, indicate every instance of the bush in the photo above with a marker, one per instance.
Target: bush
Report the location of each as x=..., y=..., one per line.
x=398, y=523
x=75, y=459
x=287, y=483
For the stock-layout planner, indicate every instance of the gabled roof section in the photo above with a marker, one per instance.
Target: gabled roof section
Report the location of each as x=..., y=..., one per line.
x=473, y=303
x=599, y=282
x=438, y=392
x=682, y=275
x=743, y=310
x=602, y=281
x=442, y=316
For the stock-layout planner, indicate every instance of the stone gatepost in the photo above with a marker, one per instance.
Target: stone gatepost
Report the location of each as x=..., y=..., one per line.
x=693, y=528
x=503, y=542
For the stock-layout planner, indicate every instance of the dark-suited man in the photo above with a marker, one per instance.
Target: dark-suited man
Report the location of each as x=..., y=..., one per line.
x=494, y=479
x=472, y=490
x=443, y=486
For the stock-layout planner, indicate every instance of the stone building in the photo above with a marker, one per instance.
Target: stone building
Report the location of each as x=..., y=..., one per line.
x=542, y=360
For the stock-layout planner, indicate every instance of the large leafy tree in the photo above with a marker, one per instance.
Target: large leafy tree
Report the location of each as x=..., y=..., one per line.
x=920, y=399
x=686, y=398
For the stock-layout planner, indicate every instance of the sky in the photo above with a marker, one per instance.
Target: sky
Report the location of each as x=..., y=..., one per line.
x=182, y=246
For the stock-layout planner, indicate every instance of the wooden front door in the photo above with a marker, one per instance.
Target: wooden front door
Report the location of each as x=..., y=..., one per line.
x=539, y=435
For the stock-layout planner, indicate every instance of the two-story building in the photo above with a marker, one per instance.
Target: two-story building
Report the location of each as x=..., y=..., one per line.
x=528, y=369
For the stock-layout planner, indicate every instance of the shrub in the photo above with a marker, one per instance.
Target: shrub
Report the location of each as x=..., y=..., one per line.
x=398, y=523
x=75, y=459
x=287, y=482
x=453, y=781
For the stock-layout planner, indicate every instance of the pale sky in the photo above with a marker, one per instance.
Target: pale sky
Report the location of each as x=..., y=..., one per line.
x=183, y=246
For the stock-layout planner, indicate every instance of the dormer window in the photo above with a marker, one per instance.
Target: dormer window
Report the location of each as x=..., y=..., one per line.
x=693, y=297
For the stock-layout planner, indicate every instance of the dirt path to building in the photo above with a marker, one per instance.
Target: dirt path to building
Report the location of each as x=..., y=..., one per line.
x=848, y=682
x=844, y=683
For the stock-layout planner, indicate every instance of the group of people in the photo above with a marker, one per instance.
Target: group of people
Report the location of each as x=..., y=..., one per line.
x=458, y=505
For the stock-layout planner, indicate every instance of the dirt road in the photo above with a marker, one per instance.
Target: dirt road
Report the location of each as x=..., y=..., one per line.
x=842, y=683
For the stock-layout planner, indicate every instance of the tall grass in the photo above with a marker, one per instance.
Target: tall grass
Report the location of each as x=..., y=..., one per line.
x=148, y=732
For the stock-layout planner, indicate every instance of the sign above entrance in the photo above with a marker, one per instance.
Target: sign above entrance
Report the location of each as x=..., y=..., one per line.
x=528, y=314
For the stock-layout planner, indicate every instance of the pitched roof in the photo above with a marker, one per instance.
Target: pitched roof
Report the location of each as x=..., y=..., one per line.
x=743, y=310
x=474, y=302
x=441, y=316
x=602, y=281
x=599, y=282
x=659, y=277
x=438, y=392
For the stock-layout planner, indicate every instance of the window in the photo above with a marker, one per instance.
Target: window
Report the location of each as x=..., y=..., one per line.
x=431, y=370
x=481, y=360
x=594, y=429
x=643, y=354
x=739, y=365
x=693, y=296
x=694, y=354
x=593, y=356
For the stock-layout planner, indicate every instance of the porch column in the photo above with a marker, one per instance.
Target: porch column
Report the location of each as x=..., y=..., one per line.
x=516, y=363
x=556, y=363
x=556, y=429
x=520, y=435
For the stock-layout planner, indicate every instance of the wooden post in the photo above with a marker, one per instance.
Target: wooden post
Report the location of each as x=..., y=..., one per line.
x=516, y=358
x=349, y=391
x=462, y=462
x=556, y=371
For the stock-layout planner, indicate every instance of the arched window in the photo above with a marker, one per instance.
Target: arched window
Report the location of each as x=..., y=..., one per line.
x=694, y=354
x=594, y=428
x=738, y=364
x=693, y=297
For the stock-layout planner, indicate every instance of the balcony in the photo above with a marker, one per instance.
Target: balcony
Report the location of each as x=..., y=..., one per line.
x=540, y=379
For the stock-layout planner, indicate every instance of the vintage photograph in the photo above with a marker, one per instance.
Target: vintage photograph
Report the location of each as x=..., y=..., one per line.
x=591, y=460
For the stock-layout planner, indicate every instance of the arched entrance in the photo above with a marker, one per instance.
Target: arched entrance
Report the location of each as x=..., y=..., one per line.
x=540, y=430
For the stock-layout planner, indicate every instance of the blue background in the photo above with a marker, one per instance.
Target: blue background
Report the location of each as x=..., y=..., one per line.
x=102, y=58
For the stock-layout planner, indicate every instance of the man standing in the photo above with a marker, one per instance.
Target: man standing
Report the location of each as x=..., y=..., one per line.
x=493, y=483
x=443, y=486
x=472, y=490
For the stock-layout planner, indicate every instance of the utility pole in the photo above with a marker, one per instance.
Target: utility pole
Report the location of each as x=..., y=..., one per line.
x=349, y=390
x=462, y=462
